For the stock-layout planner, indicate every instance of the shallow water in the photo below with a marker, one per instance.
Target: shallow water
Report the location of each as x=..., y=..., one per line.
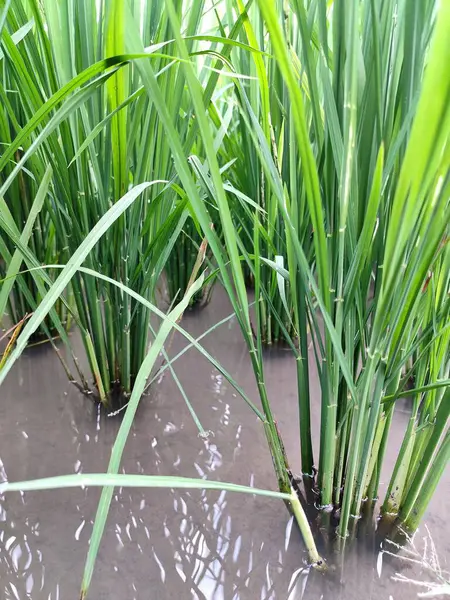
x=175, y=543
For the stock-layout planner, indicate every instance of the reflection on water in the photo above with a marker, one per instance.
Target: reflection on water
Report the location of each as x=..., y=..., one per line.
x=172, y=543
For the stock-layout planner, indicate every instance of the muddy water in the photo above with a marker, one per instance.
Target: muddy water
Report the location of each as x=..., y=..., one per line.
x=174, y=543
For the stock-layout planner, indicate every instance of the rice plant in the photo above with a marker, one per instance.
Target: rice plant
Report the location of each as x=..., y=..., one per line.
x=372, y=235
x=328, y=180
x=341, y=218
x=111, y=138
x=77, y=178
x=110, y=479
x=367, y=102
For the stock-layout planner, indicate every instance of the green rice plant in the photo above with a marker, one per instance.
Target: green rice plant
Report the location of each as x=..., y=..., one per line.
x=353, y=376
x=129, y=148
x=106, y=137
x=220, y=111
x=356, y=165
x=367, y=93
x=357, y=151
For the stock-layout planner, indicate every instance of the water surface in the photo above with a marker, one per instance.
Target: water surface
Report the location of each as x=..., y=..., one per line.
x=162, y=544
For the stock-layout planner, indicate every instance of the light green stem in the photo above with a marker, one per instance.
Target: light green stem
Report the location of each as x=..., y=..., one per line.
x=306, y=532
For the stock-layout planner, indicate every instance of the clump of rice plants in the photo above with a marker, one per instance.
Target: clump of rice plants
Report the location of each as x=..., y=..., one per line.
x=105, y=138
x=367, y=87
x=97, y=141
x=351, y=154
x=364, y=201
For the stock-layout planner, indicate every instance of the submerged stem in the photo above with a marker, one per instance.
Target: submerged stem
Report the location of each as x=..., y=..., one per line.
x=316, y=561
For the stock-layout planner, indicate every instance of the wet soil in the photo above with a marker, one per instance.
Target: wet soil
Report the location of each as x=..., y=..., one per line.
x=164, y=544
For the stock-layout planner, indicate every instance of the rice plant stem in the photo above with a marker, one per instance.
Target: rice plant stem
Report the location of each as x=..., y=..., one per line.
x=272, y=434
x=305, y=529
x=95, y=368
x=399, y=475
x=371, y=430
x=412, y=513
x=356, y=438
x=418, y=484
x=304, y=397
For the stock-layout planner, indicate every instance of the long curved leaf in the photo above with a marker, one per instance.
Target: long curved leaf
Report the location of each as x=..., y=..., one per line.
x=143, y=481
